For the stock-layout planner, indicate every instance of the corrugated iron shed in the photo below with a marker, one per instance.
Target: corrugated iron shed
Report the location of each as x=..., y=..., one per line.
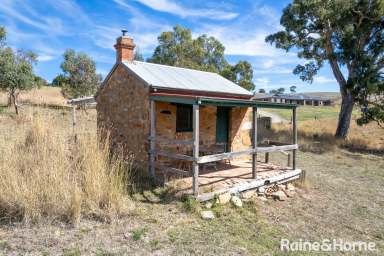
x=168, y=77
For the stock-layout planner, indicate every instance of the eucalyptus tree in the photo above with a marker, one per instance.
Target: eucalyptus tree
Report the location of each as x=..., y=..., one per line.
x=16, y=71
x=349, y=35
x=206, y=53
x=79, y=76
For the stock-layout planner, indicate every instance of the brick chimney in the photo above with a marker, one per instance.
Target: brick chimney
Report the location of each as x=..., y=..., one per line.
x=124, y=48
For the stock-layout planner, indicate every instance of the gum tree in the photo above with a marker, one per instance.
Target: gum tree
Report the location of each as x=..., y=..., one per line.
x=16, y=71
x=178, y=48
x=79, y=76
x=349, y=36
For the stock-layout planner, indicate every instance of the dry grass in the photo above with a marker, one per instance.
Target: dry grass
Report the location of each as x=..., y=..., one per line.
x=44, y=96
x=317, y=126
x=342, y=200
x=47, y=174
x=315, y=135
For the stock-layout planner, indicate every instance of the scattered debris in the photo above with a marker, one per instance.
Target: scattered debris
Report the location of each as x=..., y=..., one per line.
x=207, y=215
x=290, y=187
x=224, y=198
x=262, y=198
x=289, y=193
x=261, y=190
x=208, y=205
x=151, y=197
x=270, y=190
x=236, y=201
x=248, y=194
x=279, y=195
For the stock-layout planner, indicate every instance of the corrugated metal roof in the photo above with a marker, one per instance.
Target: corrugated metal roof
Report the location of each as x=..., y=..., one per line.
x=162, y=76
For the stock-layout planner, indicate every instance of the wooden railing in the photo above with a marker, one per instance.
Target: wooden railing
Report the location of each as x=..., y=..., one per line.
x=222, y=156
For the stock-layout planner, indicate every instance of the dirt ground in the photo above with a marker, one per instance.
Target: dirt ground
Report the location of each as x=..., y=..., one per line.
x=343, y=199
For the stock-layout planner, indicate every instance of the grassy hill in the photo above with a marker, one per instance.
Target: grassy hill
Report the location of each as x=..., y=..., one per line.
x=45, y=95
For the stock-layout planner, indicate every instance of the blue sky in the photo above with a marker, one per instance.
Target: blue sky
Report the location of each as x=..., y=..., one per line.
x=48, y=27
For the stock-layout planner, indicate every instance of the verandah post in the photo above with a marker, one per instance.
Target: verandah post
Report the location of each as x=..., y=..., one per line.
x=195, y=165
x=254, y=142
x=294, y=137
x=152, y=138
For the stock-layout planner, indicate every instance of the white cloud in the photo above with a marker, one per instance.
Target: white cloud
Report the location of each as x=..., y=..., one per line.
x=275, y=70
x=262, y=81
x=182, y=11
x=23, y=12
x=323, y=80
x=241, y=41
x=44, y=57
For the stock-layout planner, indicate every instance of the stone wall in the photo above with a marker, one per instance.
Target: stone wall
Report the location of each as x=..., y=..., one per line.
x=240, y=127
x=166, y=126
x=123, y=112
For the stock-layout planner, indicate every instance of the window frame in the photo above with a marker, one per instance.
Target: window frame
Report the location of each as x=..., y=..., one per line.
x=189, y=126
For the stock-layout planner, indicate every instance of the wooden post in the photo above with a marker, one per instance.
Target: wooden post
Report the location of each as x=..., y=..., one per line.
x=195, y=165
x=73, y=116
x=267, y=157
x=289, y=159
x=294, y=137
x=74, y=122
x=254, y=141
x=153, y=137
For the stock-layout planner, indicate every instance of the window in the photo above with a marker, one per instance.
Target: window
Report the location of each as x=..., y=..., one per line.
x=183, y=118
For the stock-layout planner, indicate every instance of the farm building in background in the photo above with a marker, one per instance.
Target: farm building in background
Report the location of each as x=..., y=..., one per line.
x=190, y=124
x=295, y=98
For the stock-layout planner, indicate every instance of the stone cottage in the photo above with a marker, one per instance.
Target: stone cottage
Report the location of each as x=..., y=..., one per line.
x=166, y=116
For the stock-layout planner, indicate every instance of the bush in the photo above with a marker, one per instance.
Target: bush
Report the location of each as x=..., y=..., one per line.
x=50, y=175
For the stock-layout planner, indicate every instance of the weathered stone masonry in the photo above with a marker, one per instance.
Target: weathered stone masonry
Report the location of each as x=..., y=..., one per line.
x=123, y=112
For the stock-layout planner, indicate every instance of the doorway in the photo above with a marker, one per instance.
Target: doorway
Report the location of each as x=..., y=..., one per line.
x=222, y=127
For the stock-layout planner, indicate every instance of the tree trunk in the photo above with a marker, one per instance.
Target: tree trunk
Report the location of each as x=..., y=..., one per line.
x=345, y=114
x=13, y=100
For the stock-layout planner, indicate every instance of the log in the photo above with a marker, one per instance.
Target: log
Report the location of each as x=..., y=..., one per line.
x=282, y=178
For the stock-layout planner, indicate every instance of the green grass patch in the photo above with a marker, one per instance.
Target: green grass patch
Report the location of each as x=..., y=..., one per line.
x=2, y=109
x=72, y=252
x=137, y=234
x=233, y=231
x=103, y=252
x=191, y=205
x=305, y=113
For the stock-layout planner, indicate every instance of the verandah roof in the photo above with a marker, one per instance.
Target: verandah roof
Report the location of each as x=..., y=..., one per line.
x=199, y=100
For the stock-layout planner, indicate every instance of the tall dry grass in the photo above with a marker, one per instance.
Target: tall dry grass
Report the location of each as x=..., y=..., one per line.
x=49, y=175
x=45, y=95
x=315, y=135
